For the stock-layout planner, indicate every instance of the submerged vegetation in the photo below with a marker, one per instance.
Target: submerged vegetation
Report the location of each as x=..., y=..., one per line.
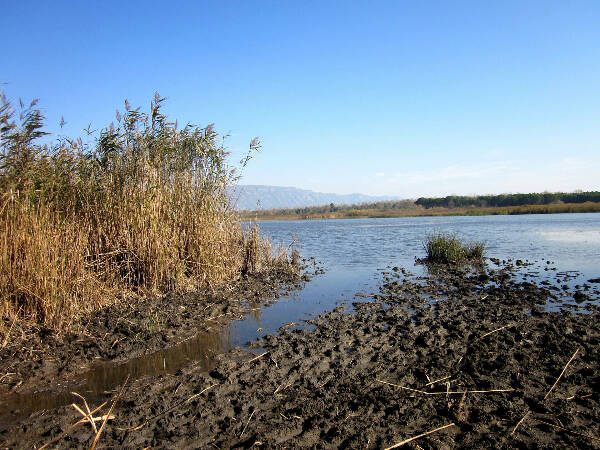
x=448, y=248
x=141, y=208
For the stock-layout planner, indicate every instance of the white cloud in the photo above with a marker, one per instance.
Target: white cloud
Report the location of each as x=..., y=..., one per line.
x=484, y=176
x=561, y=174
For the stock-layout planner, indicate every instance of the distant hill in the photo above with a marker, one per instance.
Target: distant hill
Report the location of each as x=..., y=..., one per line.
x=253, y=197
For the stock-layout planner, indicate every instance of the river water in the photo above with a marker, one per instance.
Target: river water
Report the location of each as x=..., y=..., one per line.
x=353, y=252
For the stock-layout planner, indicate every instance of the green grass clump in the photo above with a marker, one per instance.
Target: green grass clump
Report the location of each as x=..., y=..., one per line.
x=448, y=248
x=141, y=208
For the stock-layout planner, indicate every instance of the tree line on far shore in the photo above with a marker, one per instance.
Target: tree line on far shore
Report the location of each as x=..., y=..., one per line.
x=412, y=207
x=482, y=201
x=333, y=208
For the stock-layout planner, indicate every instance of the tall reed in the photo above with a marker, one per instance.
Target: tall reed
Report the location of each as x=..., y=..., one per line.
x=143, y=208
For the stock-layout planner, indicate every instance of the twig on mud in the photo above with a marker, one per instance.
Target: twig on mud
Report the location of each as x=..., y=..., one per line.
x=216, y=317
x=445, y=392
x=520, y=422
x=498, y=329
x=7, y=374
x=580, y=396
x=567, y=430
x=87, y=415
x=349, y=416
x=438, y=380
x=324, y=382
x=406, y=441
x=198, y=394
x=143, y=424
x=5, y=341
x=561, y=374
x=75, y=425
x=107, y=416
x=484, y=336
x=258, y=357
x=249, y=419
x=460, y=410
x=282, y=387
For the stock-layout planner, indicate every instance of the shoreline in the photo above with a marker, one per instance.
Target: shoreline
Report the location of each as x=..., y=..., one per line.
x=37, y=364
x=480, y=338
x=567, y=208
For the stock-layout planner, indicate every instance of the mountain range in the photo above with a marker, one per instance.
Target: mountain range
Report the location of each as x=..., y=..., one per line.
x=252, y=197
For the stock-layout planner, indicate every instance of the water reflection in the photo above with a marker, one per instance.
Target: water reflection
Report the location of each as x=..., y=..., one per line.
x=572, y=235
x=103, y=377
x=256, y=312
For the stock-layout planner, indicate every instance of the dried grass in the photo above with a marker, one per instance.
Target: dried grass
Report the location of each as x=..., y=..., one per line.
x=561, y=374
x=143, y=208
x=88, y=416
x=446, y=392
x=406, y=441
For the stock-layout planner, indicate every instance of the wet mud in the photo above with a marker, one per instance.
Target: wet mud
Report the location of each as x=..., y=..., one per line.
x=486, y=356
x=39, y=369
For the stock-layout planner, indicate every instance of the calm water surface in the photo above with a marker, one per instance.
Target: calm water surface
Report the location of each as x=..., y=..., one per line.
x=353, y=252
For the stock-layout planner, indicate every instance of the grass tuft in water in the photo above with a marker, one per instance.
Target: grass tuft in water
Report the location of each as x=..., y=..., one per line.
x=447, y=248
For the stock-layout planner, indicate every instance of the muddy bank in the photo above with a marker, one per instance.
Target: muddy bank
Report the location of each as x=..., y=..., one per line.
x=475, y=349
x=35, y=359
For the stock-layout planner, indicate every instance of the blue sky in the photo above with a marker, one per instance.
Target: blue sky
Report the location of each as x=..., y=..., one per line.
x=385, y=98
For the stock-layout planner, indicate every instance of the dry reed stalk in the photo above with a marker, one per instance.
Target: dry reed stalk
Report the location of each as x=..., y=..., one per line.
x=75, y=425
x=5, y=341
x=438, y=380
x=594, y=438
x=171, y=408
x=561, y=374
x=520, y=422
x=406, y=441
x=418, y=391
x=87, y=414
x=247, y=423
x=107, y=416
x=199, y=393
x=283, y=386
x=578, y=396
x=257, y=357
x=497, y=329
x=7, y=374
x=460, y=410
